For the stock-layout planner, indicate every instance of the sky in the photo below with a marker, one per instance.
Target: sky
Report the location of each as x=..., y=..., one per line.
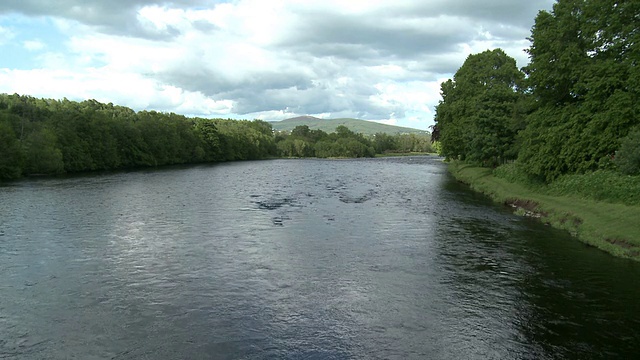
x=379, y=60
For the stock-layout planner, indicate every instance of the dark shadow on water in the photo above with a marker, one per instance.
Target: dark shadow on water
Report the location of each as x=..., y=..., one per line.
x=559, y=298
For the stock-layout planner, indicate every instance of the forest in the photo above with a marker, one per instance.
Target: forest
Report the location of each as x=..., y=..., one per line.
x=573, y=110
x=50, y=137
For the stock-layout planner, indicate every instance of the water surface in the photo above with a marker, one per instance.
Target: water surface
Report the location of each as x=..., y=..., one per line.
x=298, y=259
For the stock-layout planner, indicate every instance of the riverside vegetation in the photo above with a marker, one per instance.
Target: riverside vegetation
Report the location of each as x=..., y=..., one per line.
x=49, y=137
x=560, y=138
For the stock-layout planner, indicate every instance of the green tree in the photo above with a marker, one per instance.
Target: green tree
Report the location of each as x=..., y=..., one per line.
x=41, y=153
x=286, y=148
x=301, y=131
x=584, y=78
x=302, y=148
x=477, y=118
x=10, y=154
x=628, y=157
x=210, y=140
x=383, y=142
x=325, y=149
x=344, y=132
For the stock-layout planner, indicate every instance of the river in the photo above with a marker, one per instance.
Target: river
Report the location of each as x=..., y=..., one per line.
x=298, y=259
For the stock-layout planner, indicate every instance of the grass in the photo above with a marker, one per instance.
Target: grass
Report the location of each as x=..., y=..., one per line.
x=611, y=227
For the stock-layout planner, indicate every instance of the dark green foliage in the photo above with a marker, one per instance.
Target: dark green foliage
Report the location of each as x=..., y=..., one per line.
x=303, y=142
x=605, y=186
x=209, y=149
x=514, y=173
x=292, y=147
x=384, y=142
x=402, y=143
x=628, y=157
x=44, y=137
x=480, y=112
x=584, y=77
x=244, y=140
x=580, y=97
x=41, y=153
x=10, y=154
x=407, y=143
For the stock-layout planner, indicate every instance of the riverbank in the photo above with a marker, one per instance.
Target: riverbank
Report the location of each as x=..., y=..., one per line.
x=613, y=228
x=398, y=154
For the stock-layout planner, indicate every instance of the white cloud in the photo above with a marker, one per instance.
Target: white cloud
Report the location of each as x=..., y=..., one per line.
x=375, y=59
x=33, y=45
x=131, y=89
x=6, y=35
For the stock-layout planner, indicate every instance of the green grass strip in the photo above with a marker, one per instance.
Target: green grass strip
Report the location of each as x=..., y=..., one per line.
x=614, y=228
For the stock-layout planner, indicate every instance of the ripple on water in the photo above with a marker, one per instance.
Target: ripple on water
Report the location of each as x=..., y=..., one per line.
x=308, y=259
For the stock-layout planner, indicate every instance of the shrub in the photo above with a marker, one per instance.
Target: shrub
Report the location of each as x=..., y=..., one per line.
x=605, y=186
x=514, y=173
x=628, y=156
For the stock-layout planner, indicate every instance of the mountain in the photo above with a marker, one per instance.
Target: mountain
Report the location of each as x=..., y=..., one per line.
x=329, y=125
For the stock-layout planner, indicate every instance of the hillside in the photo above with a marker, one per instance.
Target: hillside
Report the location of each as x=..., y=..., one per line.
x=355, y=125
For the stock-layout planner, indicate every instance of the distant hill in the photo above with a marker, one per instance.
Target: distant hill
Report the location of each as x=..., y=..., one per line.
x=355, y=125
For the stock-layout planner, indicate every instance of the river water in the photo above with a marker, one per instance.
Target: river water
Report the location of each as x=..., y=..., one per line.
x=298, y=259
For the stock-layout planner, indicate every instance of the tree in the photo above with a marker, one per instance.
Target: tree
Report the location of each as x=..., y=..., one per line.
x=301, y=131
x=584, y=77
x=210, y=140
x=384, y=142
x=42, y=154
x=628, y=157
x=477, y=118
x=10, y=155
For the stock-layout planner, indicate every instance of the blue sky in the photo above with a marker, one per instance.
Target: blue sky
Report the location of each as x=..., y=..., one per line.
x=25, y=38
x=378, y=60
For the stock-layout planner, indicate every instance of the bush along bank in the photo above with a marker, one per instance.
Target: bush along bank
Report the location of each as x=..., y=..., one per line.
x=610, y=224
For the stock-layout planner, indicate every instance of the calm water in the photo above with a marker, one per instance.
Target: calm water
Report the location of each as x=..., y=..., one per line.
x=298, y=259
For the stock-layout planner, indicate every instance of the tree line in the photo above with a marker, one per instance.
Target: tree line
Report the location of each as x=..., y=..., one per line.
x=47, y=137
x=305, y=142
x=574, y=109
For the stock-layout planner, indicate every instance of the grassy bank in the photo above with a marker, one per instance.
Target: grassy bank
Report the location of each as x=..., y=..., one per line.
x=612, y=227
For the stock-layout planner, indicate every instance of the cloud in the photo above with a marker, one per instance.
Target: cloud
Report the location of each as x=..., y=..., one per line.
x=34, y=45
x=118, y=17
x=6, y=35
x=139, y=92
x=375, y=59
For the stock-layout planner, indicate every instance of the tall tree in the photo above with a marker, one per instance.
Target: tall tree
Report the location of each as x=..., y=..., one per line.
x=477, y=118
x=585, y=79
x=10, y=154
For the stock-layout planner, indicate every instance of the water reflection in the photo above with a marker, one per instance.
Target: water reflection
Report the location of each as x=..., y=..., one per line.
x=382, y=258
x=559, y=292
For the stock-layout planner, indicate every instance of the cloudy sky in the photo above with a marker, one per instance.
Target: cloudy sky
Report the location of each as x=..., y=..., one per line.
x=379, y=60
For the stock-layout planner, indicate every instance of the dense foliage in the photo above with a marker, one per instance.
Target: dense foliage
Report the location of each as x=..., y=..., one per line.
x=585, y=79
x=579, y=100
x=479, y=115
x=46, y=137
x=41, y=136
x=304, y=142
x=601, y=185
x=628, y=157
